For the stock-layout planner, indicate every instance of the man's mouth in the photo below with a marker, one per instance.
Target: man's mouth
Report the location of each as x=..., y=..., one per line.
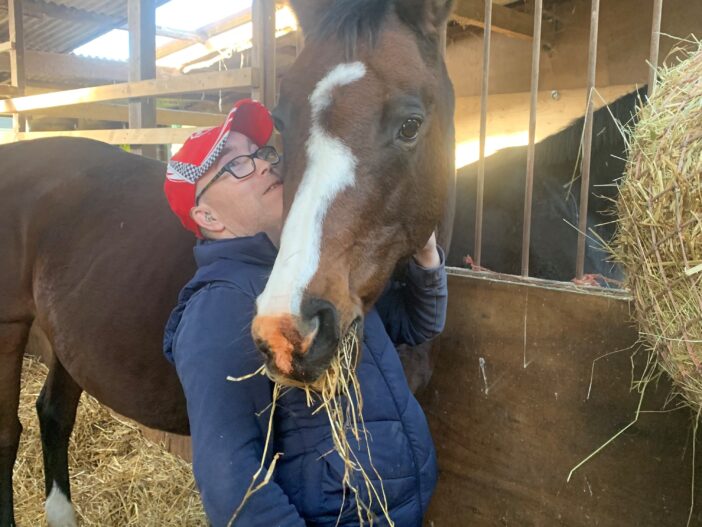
x=272, y=187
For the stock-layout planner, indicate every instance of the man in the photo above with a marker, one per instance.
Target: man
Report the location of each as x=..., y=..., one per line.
x=225, y=188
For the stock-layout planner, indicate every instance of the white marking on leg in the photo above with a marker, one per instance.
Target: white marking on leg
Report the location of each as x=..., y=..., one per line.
x=59, y=510
x=331, y=168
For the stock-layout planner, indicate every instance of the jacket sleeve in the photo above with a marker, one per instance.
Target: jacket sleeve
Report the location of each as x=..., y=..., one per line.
x=414, y=311
x=212, y=342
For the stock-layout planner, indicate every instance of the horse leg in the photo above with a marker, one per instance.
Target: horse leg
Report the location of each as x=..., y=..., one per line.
x=13, y=339
x=56, y=407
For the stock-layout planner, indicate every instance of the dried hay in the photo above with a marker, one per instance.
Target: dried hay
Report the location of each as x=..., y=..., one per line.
x=336, y=392
x=118, y=477
x=659, y=238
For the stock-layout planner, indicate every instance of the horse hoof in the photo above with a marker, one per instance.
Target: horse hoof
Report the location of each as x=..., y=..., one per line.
x=59, y=510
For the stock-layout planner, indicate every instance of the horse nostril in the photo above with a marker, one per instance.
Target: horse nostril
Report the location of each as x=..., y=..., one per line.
x=263, y=347
x=322, y=315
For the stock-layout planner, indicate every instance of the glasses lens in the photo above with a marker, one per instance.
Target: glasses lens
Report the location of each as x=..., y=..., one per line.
x=269, y=154
x=241, y=167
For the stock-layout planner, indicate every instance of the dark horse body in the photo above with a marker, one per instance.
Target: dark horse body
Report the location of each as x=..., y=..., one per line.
x=92, y=255
x=555, y=209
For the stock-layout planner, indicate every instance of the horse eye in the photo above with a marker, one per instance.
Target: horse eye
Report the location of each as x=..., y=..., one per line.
x=410, y=129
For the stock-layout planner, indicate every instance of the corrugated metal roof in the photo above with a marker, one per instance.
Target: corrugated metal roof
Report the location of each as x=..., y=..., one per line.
x=58, y=35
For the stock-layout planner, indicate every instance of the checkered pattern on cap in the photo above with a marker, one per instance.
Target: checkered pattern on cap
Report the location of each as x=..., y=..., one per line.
x=201, y=151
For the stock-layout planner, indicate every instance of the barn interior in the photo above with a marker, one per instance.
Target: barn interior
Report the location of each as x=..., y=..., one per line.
x=530, y=376
x=51, y=55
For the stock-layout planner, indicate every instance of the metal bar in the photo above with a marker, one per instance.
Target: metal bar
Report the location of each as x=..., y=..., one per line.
x=655, y=44
x=477, y=251
x=587, y=140
x=529, y=185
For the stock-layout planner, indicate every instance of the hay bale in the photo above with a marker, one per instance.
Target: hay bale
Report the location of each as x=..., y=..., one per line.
x=118, y=477
x=659, y=238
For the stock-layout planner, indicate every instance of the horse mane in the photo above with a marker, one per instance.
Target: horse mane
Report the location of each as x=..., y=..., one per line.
x=606, y=133
x=352, y=21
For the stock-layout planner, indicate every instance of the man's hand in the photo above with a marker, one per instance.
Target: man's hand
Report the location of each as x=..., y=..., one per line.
x=428, y=256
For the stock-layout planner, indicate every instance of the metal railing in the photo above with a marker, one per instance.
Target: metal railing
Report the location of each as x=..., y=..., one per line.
x=587, y=133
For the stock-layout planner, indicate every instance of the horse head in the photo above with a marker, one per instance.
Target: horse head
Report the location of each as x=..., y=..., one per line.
x=366, y=118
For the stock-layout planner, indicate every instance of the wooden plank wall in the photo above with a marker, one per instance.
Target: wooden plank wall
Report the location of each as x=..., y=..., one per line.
x=507, y=434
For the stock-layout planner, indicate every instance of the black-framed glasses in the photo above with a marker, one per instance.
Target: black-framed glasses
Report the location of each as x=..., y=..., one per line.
x=243, y=166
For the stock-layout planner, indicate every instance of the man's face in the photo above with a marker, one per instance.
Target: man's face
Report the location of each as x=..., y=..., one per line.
x=241, y=207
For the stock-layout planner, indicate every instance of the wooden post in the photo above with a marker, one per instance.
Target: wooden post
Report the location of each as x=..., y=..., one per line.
x=142, y=65
x=17, y=72
x=263, y=52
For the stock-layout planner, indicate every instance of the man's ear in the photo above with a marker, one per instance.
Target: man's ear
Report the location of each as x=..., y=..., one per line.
x=206, y=219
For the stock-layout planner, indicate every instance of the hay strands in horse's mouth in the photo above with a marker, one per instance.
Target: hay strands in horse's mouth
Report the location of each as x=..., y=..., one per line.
x=338, y=392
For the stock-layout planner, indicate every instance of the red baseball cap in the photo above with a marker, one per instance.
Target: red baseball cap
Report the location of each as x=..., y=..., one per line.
x=202, y=149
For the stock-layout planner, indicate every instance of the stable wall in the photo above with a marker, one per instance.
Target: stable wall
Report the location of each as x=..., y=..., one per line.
x=529, y=381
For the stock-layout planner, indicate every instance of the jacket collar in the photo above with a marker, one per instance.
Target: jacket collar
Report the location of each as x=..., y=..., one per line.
x=256, y=250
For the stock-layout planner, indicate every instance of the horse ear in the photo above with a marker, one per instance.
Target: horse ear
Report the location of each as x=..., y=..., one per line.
x=309, y=12
x=428, y=16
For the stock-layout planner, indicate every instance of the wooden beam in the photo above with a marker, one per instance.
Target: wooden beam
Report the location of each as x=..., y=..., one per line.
x=208, y=31
x=120, y=113
x=17, y=69
x=263, y=50
x=196, y=82
x=506, y=21
x=142, y=63
x=6, y=46
x=178, y=34
x=143, y=136
x=61, y=67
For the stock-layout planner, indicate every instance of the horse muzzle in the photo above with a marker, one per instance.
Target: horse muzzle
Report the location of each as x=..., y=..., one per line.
x=300, y=348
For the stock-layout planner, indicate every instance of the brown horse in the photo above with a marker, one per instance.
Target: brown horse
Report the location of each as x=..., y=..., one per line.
x=366, y=116
x=93, y=257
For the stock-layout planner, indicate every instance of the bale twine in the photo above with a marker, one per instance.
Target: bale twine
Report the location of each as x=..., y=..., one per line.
x=118, y=477
x=659, y=238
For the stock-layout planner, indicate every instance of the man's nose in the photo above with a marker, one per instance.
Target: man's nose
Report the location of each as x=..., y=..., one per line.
x=263, y=167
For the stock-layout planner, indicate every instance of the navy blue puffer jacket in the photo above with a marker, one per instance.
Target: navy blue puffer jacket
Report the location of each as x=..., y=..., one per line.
x=208, y=338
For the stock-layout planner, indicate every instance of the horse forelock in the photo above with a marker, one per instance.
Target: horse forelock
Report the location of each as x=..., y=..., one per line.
x=330, y=168
x=360, y=22
x=351, y=21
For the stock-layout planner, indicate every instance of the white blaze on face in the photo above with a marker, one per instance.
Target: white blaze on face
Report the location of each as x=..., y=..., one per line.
x=331, y=167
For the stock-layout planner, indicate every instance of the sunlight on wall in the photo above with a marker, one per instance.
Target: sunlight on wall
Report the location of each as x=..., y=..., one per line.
x=468, y=152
